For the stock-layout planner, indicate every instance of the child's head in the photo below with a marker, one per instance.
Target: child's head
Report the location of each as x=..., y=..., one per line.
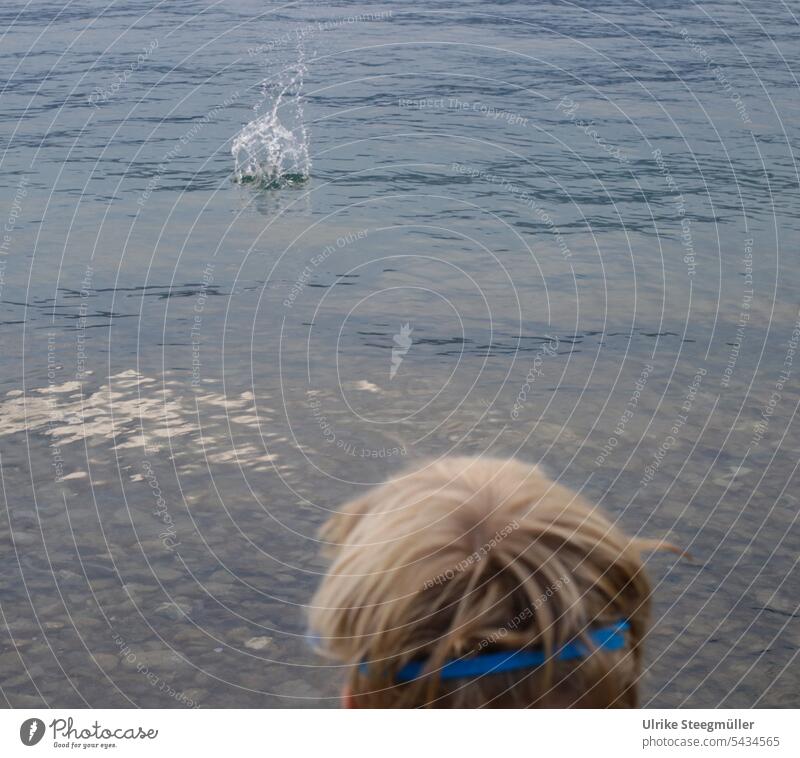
x=466, y=558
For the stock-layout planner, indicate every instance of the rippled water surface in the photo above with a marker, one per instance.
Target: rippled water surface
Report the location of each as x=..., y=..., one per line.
x=565, y=231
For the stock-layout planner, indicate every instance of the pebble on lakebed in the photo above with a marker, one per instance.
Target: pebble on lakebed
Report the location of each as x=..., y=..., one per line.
x=258, y=643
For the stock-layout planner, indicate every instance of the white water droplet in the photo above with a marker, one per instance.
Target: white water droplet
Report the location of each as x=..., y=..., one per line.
x=266, y=151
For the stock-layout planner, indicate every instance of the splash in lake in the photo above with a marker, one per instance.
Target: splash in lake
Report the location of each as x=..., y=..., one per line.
x=269, y=152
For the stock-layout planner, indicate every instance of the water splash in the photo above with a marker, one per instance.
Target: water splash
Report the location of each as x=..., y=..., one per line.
x=266, y=151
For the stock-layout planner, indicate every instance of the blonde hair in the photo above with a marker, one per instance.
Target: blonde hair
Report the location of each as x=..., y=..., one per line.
x=470, y=555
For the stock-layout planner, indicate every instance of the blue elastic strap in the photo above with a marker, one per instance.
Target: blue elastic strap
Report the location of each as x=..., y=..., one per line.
x=606, y=638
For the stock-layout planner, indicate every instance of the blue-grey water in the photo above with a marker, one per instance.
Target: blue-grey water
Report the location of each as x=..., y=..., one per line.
x=566, y=231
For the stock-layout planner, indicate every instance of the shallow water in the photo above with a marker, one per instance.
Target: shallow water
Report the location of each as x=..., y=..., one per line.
x=584, y=215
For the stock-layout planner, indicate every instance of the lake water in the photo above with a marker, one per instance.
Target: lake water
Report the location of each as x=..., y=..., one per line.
x=562, y=231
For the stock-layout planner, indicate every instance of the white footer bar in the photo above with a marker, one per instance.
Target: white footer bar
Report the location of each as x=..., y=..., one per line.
x=399, y=734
